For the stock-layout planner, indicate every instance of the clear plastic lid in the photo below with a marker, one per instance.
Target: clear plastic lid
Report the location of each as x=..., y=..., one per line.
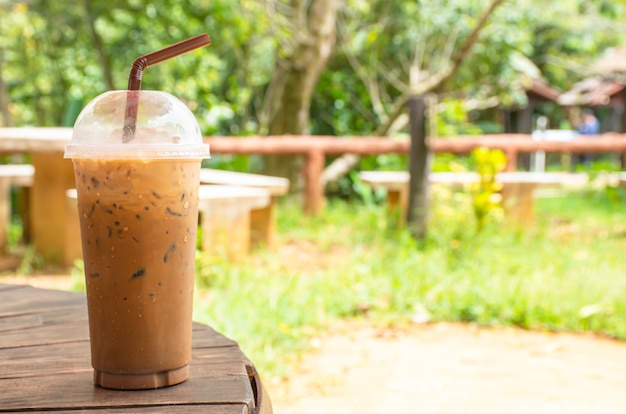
x=163, y=128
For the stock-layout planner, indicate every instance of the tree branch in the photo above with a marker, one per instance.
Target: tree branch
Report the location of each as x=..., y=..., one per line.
x=346, y=162
x=468, y=43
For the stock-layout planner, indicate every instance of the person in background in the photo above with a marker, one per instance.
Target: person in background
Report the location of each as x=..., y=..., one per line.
x=588, y=126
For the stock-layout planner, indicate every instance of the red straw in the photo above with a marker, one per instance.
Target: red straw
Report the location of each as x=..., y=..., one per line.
x=143, y=62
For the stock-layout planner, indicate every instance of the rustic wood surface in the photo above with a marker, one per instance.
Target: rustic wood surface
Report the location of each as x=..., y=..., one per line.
x=45, y=364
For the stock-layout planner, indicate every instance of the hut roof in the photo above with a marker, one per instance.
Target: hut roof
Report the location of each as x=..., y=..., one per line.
x=541, y=88
x=593, y=91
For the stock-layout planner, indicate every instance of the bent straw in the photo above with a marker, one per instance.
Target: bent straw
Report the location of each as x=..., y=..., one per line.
x=136, y=72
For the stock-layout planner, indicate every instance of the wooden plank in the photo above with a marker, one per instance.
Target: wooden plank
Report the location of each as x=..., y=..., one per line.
x=44, y=360
x=7, y=286
x=178, y=408
x=34, y=139
x=208, y=384
x=275, y=185
x=206, y=337
x=19, y=175
x=39, y=361
x=31, y=300
x=77, y=329
x=301, y=145
x=46, y=334
x=38, y=319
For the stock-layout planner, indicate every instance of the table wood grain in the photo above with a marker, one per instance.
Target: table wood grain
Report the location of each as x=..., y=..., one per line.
x=45, y=364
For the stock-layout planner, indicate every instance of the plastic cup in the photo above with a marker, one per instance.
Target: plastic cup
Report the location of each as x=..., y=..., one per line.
x=138, y=212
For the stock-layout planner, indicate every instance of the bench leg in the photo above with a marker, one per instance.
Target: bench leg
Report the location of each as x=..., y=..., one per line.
x=517, y=200
x=263, y=225
x=23, y=206
x=397, y=206
x=73, y=243
x=225, y=229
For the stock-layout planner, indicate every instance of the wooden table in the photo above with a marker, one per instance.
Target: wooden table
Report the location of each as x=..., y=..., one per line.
x=517, y=188
x=53, y=176
x=45, y=364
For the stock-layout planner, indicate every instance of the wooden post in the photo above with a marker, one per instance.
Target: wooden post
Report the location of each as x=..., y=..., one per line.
x=419, y=168
x=511, y=158
x=313, y=189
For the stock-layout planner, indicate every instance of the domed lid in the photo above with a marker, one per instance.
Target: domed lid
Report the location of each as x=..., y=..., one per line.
x=163, y=128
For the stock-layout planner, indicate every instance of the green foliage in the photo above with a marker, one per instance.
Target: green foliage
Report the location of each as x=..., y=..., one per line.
x=452, y=120
x=55, y=58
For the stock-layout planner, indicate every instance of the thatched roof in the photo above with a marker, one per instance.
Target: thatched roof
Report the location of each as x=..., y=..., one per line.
x=594, y=91
x=541, y=88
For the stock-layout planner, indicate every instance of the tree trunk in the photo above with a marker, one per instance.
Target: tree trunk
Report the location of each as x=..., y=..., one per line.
x=302, y=69
x=105, y=64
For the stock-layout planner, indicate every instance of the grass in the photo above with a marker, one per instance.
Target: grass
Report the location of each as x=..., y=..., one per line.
x=565, y=273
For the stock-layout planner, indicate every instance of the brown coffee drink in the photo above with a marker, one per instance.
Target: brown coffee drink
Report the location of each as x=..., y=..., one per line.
x=138, y=223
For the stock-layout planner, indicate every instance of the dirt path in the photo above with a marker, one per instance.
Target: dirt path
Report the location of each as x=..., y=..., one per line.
x=450, y=368
x=445, y=369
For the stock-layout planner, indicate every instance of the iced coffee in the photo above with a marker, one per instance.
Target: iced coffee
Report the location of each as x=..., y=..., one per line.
x=138, y=224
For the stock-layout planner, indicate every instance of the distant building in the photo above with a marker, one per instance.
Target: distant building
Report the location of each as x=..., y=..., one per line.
x=604, y=90
x=521, y=119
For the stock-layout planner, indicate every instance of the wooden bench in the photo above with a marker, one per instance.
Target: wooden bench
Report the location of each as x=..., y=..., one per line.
x=225, y=217
x=12, y=175
x=517, y=190
x=224, y=214
x=262, y=220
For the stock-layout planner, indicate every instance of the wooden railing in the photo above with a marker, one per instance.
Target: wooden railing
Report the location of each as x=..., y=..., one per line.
x=316, y=148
